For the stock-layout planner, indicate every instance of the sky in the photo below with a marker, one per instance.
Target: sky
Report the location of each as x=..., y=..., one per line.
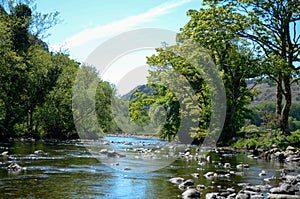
x=87, y=24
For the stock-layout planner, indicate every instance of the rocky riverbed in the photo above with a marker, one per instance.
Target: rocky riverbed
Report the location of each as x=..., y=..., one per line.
x=284, y=186
x=193, y=172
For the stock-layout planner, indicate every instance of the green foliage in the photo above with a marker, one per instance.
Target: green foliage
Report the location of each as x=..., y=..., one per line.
x=171, y=95
x=254, y=137
x=214, y=28
x=35, y=84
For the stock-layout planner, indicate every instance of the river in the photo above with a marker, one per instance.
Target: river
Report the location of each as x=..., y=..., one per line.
x=71, y=170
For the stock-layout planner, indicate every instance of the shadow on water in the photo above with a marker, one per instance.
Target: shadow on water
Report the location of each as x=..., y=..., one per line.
x=68, y=170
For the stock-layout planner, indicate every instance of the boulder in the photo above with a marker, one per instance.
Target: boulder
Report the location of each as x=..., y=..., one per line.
x=4, y=153
x=211, y=196
x=290, y=148
x=176, y=180
x=186, y=184
x=191, y=193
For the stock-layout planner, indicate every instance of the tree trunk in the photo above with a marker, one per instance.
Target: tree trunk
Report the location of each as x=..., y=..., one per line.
x=284, y=119
x=279, y=96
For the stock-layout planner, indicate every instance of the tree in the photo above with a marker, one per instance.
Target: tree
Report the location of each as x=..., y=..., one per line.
x=104, y=94
x=273, y=27
x=214, y=29
x=181, y=94
x=54, y=117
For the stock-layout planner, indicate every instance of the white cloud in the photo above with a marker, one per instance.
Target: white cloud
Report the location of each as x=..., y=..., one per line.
x=116, y=27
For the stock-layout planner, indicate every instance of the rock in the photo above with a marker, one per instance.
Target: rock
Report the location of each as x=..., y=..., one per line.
x=127, y=169
x=200, y=187
x=252, y=188
x=4, y=153
x=262, y=173
x=106, y=143
x=211, y=196
x=282, y=196
x=242, y=196
x=231, y=190
x=284, y=188
x=242, y=166
x=39, y=152
x=113, y=154
x=176, y=180
x=104, y=151
x=191, y=193
x=227, y=165
x=224, y=194
x=210, y=175
x=257, y=196
x=195, y=175
x=232, y=196
x=290, y=148
x=186, y=184
x=14, y=167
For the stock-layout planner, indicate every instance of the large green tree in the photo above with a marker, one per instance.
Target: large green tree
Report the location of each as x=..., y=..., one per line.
x=179, y=91
x=273, y=28
x=214, y=29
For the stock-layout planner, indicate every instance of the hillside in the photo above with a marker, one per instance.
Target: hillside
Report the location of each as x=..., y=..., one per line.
x=268, y=93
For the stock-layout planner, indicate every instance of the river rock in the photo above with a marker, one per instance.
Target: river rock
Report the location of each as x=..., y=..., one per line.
x=186, y=184
x=191, y=193
x=39, y=152
x=242, y=196
x=114, y=154
x=290, y=148
x=262, y=173
x=252, y=188
x=227, y=165
x=195, y=175
x=282, y=196
x=210, y=175
x=242, y=166
x=15, y=167
x=232, y=196
x=200, y=187
x=211, y=195
x=176, y=180
x=285, y=188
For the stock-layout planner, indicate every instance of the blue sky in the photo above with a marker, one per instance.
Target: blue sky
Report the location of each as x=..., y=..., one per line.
x=87, y=24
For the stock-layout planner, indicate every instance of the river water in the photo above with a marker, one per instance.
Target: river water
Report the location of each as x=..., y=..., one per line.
x=71, y=170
